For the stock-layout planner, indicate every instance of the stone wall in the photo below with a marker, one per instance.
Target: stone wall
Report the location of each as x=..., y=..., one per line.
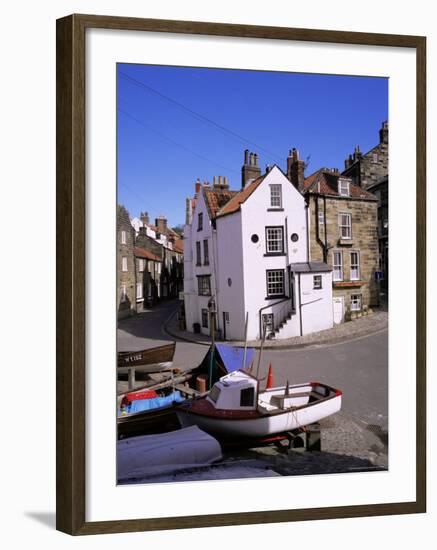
x=126, y=304
x=364, y=240
x=366, y=169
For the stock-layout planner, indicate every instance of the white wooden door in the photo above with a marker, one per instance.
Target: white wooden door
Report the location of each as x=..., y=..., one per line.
x=338, y=307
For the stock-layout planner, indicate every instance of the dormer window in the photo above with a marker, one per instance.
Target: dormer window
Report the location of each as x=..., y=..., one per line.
x=343, y=187
x=275, y=195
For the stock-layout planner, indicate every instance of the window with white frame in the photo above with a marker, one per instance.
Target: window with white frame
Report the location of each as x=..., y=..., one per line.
x=139, y=291
x=200, y=221
x=317, y=282
x=123, y=237
x=198, y=254
x=374, y=158
x=275, y=282
x=355, y=266
x=343, y=187
x=205, y=252
x=275, y=195
x=337, y=265
x=321, y=220
x=204, y=285
x=204, y=318
x=355, y=302
x=123, y=295
x=141, y=264
x=124, y=263
x=275, y=240
x=345, y=225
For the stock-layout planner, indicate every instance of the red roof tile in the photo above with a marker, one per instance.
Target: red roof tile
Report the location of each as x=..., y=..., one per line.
x=179, y=246
x=238, y=198
x=143, y=253
x=325, y=182
x=217, y=198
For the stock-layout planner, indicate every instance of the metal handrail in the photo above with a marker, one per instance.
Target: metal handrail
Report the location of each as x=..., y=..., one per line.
x=286, y=299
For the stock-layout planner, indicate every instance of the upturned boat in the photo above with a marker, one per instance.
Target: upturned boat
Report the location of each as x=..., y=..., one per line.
x=236, y=407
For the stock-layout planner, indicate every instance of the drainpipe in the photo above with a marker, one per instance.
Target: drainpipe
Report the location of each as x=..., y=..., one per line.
x=307, y=213
x=300, y=304
x=324, y=245
x=325, y=252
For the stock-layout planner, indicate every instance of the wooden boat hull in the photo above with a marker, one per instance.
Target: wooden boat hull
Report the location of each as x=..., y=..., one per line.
x=148, y=422
x=256, y=423
x=146, y=361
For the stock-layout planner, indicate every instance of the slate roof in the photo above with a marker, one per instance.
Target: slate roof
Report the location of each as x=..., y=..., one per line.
x=310, y=267
x=328, y=182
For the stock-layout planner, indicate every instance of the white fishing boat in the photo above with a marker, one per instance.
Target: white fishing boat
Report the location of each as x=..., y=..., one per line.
x=235, y=406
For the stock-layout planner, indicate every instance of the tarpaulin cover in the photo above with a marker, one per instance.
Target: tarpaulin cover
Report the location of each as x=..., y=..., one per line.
x=232, y=357
x=154, y=403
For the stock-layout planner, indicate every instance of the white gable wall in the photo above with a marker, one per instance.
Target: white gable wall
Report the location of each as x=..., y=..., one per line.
x=256, y=216
x=193, y=302
x=230, y=281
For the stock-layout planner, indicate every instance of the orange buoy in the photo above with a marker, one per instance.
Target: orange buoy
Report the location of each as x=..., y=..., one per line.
x=270, y=378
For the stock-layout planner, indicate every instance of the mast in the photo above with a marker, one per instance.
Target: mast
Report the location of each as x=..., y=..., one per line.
x=245, y=341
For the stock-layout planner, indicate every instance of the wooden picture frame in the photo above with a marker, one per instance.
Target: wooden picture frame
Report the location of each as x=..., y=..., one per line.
x=71, y=253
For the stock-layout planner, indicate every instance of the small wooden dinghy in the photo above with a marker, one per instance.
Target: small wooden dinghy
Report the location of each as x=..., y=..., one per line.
x=236, y=407
x=147, y=360
x=140, y=457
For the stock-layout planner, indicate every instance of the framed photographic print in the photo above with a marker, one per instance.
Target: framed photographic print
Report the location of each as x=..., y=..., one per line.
x=240, y=274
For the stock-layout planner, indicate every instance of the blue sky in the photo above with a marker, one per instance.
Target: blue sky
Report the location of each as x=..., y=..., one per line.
x=179, y=124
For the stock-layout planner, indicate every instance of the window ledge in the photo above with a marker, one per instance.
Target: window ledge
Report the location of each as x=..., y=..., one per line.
x=348, y=284
x=275, y=209
x=274, y=254
x=276, y=297
x=345, y=242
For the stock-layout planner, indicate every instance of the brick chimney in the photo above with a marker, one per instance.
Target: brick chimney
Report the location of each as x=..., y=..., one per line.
x=161, y=224
x=250, y=170
x=383, y=133
x=295, y=169
x=144, y=217
x=220, y=183
x=348, y=162
x=357, y=153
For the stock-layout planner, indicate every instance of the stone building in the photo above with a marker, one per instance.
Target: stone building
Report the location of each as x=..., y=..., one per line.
x=368, y=168
x=149, y=260
x=380, y=190
x=126, y=276
x=148, y=276
x=343, y=234
x=370, y=171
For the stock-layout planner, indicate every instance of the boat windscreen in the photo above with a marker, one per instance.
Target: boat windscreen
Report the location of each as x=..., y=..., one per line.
x=214, y=393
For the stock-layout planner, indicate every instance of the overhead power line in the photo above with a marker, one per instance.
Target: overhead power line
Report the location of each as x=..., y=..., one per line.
x=171, y=140
x=199, y=116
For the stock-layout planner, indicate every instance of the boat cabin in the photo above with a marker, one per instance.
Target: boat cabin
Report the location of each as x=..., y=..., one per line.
x=237, y=390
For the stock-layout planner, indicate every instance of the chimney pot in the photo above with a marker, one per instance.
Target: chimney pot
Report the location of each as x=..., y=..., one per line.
x=246, y=156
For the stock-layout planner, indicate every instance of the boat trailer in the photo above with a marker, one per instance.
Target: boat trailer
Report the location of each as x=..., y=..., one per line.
x=306, y=438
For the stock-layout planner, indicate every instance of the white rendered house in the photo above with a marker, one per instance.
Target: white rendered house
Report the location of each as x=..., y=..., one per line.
x=256, y=262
